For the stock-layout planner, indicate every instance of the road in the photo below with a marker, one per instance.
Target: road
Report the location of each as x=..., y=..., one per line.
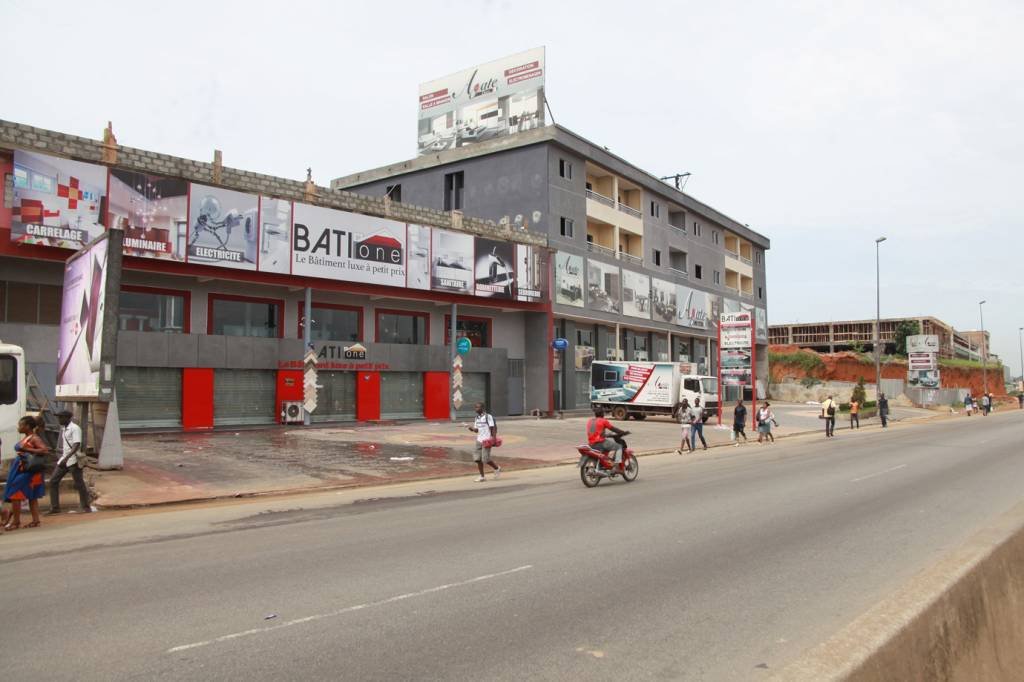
x=724, y=565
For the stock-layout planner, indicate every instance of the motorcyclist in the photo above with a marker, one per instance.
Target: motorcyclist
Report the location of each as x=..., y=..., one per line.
x=596, y=428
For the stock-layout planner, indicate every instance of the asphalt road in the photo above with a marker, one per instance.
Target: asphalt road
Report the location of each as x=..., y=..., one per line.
x=724, y=565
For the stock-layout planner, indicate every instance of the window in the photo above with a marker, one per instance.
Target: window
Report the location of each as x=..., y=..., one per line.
x=566, y=227
x=697, y=230
x=8, y=380
x=717, y=277
x=698, y=272
x=333, y=322
x=453, y=185
x=714, y=236
x=760, y=292
x=399, y=326
x=476, y=329
x=153, y=310
x=394, y=192
x=20, y=178
x=655, y=209
x=239, y=316
x=656, y=257
x=757, y=255
x=585, y=337
x=29, y=303
x=565, y=169
x=26, y=178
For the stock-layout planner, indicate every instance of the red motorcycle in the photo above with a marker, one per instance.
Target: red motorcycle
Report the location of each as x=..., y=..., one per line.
x=596, y=465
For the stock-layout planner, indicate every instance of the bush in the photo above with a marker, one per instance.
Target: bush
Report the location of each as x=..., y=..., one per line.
x=858, y=392
x=809, y=362
x=968, y=364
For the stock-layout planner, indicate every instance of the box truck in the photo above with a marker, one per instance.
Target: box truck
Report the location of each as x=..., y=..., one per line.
x=639, y=389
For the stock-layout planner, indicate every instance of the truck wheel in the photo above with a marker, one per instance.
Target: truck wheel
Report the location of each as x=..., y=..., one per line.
x=619, y=413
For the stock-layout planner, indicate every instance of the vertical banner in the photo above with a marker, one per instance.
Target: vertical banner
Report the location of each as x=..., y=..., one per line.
x=57, y=202
x=452, y=263
x=636, y=294
x=531, y=273
x=223, y=227
x=152, y=211
x=569, y=279
x=418, y=253
x=664, y=301
x=735, y=354
x=604, y=287
x=495, y=269
x=275, y=236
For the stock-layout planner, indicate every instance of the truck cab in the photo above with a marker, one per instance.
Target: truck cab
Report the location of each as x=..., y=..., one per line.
x=704, y=387
x=12, y=396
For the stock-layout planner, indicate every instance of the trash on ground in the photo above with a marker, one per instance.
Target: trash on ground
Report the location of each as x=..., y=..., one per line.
x=402, y=459
x=270, y=616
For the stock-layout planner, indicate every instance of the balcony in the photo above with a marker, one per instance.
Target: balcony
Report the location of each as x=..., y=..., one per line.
x=629, y=210
x=629, y=258
x=600, y=250
x=680, y=273
x=600, y=198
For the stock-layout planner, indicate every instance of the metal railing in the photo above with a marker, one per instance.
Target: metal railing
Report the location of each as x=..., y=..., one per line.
x=628, y=210
x=734, y=254
x=600, y=250
x=681, y=273
x=600, y=198
x=630, y=258
x=746, y=260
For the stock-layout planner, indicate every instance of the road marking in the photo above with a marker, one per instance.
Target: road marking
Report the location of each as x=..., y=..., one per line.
x=878, y=473
x=347, y=609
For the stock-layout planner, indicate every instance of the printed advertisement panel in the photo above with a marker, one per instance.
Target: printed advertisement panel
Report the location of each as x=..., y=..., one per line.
x=696, y=309
x=664, y=301
x=735, y=330
x=57, y=202
x=79, y=346
x=625, y=382
x=495, y=269
x=584, y=357
x=531, y=273
x=738, y=358
x=922, y=361
x=417, y=270
x=569, y=279
x=452, y=266
x=152, y=210
x=347, y=246
x=603, y=287
x=636, y=294
x=925, y=378
x=275, y=235
x=736, y=377
x=761, y=324
x=923, y=343
x=222, y=227
x=730, y=305
x=495, y=99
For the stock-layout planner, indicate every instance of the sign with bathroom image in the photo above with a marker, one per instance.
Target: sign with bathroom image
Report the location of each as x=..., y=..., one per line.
x=222, y=227
x=275, y=234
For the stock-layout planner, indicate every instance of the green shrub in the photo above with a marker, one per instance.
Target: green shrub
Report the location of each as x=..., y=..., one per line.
x=858, y=392
x=968, y=364
x=809, y=362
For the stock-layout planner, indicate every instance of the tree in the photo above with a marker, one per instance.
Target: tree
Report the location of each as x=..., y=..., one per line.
x=903, y=330
x=858, y=392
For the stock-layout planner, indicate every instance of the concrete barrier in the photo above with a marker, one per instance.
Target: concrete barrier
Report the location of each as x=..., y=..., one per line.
x=962, y=619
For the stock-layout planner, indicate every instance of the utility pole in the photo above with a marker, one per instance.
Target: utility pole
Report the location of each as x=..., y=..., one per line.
x=878, y=318
x=984, y=348
x=1020, y=342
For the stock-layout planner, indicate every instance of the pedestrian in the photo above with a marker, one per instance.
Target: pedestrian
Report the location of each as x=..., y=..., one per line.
x=71, y=459
x=697, y=425
x=854, y=413
x=765, y=418
x=968, y=404
x=883, y=410
x=486, y=430
x=986, y=403
x=739, y=422
x=1020, y=400
x=23, y=484
x=685, y=423
x=828, y=413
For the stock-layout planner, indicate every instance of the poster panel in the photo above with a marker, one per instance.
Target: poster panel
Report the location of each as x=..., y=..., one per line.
x=345, y=246
x=531, y=273
x=695, y=308
x=223, y=229
x=568, y=279
x=922, y=361
x=924, y=378
x=152, y=210
x=735, y=330
x=275, y=236
x=482, y=102
x=761, y=325
x=451, y=268
x=604, y=287
x=664, y=301
x=56, y=202
x=417, y=270
x=923, y=343
x=495, y=269
x=636, y=294
x=649, y=383
x=79, y=346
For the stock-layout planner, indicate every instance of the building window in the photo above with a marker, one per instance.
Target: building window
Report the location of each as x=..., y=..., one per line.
x=757, y=255
x=143, y=309
x=585, y=337
x=26, y=178
x=696, y=229
x=565, y=169
x=20, y=177
x=656, y=257
x=30, y=303
x=453, y=185
x=717, y=277
x=760, y=292
x=565, y=227
x=240, y=316
x=8, y=380
x=714, y=236
x=698, y=272
x=332, y=322
x=655, y=209
x=399, y=326
x=476, y=329
x=394, y=192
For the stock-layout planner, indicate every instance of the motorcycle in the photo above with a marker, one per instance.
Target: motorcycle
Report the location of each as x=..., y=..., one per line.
x=596, y=465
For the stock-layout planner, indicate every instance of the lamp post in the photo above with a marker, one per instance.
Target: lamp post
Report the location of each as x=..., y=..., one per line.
x=878, y=319
x=984, y=348
x=1020, y=342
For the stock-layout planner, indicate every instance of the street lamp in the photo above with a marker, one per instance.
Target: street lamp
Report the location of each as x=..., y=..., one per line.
x=1020, y=342
x=878, y=320
x=984, y=348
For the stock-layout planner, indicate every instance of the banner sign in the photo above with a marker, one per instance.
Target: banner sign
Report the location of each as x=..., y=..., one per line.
x=735, y=330
x=923, y=343
x=696, y=309
x=604, y=287
x=569, y=279
x=222, y=227
x=636, y=294
x=57, y=202
x=495, y=269
x=531, y=273
x=452, y=262
x=919, y=361
x=275, y=236
x=664, y=301
x=417, y=269
x=152, y=210
x=483, y=102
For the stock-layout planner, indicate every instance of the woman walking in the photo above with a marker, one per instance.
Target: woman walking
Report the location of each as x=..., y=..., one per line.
x=22, y=484
x=765, y=417
x=685, y=420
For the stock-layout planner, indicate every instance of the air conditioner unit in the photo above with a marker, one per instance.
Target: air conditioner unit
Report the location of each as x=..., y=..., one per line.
x=291, y=411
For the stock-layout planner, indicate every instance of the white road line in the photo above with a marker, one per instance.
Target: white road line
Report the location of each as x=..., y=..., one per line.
x=347, y=609
x=879, y=473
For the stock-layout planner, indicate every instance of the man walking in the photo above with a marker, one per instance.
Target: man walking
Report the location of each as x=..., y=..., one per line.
x=697, y=425
x=486, y=431
x=69, y=447
x=828, y=413
x=739, y=422
x=986, y=403
x=883, y=410
x=854, y=413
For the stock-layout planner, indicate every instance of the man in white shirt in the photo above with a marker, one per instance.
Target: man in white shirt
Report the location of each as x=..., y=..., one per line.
x=486, y=431
x=828, y=413
x=71, y=459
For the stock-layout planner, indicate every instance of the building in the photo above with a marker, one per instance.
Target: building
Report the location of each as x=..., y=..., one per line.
x=978, y=340
x=641, y=270
x=831, y=337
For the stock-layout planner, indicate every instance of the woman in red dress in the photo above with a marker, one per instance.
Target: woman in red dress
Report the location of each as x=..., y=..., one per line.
x=22, y=485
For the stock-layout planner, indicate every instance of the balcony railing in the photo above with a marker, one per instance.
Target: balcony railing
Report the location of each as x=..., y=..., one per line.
x=600, y=198
x=629, y=258
x=746, y=260
x=600, y=250
x=628, y=210
x=734, y=254
x=681, y=273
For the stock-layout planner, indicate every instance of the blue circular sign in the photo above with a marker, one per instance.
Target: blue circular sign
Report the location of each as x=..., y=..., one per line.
x=463, y=346
x=560, y=344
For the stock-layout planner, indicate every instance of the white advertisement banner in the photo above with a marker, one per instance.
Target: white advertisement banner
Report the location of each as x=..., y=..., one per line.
x=761, y=324
x=735, y=332
x=696, y=308
x=452, y=262
x=223, y=228
x=604, y=284
x=347, y=246
x=569, y=279
x=57, y=202
x=530, y=273
x=636, y=294
x=152, y=210
x=81, y=324
x=664, y=301
x=923, y=343
x=275, y=236
x=417, y=268
x=922, y=361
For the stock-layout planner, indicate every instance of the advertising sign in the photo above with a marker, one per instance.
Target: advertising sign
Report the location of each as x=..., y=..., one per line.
x=735, y=330
x=452, y=265
x=57, y=202
x=483, y=102
x=625, y=382
x=584, y=357
x=275, y=239
x=603, y=287
x=664, y=301
x=223, y=228
x=495, y=269
x=531, y=273
x=417, y=269
x=761, y=324
x=923, y=343
x=922, y=361
x=636, y=294
x=152, y=210
x=924, y=378
x=568, y=279
x=695, y=308
x=347, y=246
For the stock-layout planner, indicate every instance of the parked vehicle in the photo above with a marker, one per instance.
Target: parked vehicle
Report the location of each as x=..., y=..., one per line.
x=12, y=396
x=639, y=389
x=596, y=465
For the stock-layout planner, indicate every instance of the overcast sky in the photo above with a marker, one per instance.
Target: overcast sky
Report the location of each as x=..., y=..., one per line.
x=821, y=125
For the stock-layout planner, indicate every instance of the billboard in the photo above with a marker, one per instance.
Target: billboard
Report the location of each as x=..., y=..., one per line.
x=735, y=331
x=275, y=236
x=604, y=287
x=87, y=335
x=417, y=268
x=222, y=227
x=568, y=279
x=451, y=267
x=923, y=343
x=57, y=202
x=531, y=271
x=761, y=325
x=495, y=271
x=924, y=378
x=152, y=211
x=345, y=246
x=626, y=382
x=636, y=294
x=922, y=361
x=664, y=301
x=483, y=102
x=695, y=308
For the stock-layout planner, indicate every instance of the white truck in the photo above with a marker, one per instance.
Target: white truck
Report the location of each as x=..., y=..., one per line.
x=12, y=397
x=639, y=389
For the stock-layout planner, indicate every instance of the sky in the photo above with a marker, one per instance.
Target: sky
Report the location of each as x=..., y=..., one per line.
x=821, y=125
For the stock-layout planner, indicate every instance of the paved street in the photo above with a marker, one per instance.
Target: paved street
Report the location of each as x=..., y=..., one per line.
x=724, y=565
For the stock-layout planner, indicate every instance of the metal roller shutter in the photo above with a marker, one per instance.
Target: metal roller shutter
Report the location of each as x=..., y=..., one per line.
x=244, y=396
x=336, y=399
x=401, y=395
x=474, y=390
x=148, y=397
